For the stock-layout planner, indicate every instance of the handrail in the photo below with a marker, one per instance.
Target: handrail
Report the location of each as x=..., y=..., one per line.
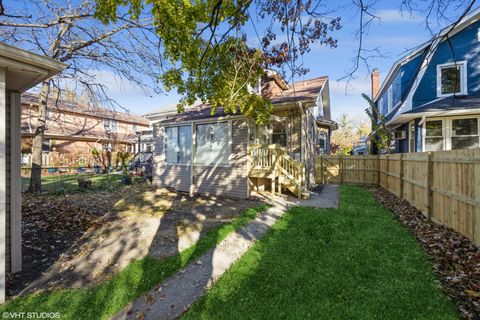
x=272, y=158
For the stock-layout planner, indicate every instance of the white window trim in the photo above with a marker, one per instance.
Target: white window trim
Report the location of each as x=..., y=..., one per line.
x=410, y=124
x=444, y=132
x=447, y=129
x=390, y=99
x=463, y=78
x=188, y=163
x=459, y=118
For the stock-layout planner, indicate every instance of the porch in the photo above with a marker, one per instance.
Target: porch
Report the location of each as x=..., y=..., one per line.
x=271, y=167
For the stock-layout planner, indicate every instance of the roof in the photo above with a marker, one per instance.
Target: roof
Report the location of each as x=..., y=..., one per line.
x=449, y=103
x=25, y=69
x=95, y=111
x=301, y=91
x=434, y=41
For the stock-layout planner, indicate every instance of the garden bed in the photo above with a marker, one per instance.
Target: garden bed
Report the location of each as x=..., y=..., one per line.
x=456, y=260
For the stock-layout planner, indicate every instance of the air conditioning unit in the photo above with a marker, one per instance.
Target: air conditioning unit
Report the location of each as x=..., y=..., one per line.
x=399, y=135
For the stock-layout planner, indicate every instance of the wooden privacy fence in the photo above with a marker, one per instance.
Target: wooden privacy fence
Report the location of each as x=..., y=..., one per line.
x=443, y=185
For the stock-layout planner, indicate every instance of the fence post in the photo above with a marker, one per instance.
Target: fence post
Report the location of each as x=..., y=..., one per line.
x=476, y=188
x=429, y=185
x=401, y=175
x=340, y=169
x=378, y=169
x=387, y=176
x=365, y=159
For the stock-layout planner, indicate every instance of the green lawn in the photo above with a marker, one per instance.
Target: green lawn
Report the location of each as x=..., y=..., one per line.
x=355, y=262
x=108, y=298
x=68, y=182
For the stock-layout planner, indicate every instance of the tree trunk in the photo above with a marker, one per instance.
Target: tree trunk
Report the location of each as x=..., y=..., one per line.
x=36, y=174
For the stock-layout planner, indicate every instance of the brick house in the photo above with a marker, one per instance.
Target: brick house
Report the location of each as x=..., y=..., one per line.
x=73, y=129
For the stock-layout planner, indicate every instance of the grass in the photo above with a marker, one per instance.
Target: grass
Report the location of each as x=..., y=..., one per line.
x=68, y=182
x=355, y=262
x=108, y=298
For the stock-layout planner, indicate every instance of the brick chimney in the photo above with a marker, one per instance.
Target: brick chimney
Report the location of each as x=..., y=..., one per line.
x=375, y=82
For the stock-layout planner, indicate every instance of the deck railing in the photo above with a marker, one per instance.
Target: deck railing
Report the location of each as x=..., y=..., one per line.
x=272, y=159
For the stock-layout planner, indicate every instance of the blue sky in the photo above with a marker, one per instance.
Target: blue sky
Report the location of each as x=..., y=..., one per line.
x=393, y=33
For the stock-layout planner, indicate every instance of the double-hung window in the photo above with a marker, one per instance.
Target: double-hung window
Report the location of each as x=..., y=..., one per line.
x=110, y=125
x=212, y=143
x=452, y=78
x=434, y=135
x=178, y=144
x=411, y=136
x=465, y=133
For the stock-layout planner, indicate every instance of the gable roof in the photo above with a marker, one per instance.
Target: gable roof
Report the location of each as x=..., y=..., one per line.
x=84, y=109
x=305, y=91
x=431, y=44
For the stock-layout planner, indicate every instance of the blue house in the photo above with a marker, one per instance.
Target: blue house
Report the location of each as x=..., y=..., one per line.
x=430, y=99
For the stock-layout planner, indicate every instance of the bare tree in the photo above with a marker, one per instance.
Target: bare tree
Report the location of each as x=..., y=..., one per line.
x=68, y=31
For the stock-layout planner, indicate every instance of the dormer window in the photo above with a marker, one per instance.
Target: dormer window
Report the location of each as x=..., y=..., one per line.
x=452, y=79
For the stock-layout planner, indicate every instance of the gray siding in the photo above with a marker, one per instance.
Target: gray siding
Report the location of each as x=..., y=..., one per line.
x=165, y=175
x=229, y=180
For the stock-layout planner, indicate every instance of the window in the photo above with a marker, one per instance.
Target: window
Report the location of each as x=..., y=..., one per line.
x=322, y=142
x=465, y=133
x=107, y=146
x=279, y=133
x=380, y=106
x=178, y=144
x=110, y=125
x=46, y=144
x=390, y=99
x=434, y=135
x=411, y=137
x=134, y=128
x=452, y=78
x=212, y=143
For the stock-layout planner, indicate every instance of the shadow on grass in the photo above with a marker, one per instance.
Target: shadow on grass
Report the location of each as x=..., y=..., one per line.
x=355, y=262
x=108, y=298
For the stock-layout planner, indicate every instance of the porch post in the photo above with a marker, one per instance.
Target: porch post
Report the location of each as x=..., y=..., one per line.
x=3, y=184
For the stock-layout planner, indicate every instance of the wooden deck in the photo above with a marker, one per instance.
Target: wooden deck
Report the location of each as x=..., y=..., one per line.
x=273, y=163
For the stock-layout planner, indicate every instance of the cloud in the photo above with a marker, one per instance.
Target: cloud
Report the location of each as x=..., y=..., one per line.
x=397, y=16
x=115, y=84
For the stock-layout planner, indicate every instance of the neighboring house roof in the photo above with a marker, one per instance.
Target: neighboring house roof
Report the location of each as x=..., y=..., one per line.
x=449, y=103
x=305, y=91
x=168, y=110
x=76, y=131
x=79, y=108
x=431, y=44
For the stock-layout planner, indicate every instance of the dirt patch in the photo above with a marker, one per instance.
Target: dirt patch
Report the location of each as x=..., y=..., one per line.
x=456, y=260
x=82, y=239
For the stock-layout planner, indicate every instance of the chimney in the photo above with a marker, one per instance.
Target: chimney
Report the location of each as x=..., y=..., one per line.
x=375, y=82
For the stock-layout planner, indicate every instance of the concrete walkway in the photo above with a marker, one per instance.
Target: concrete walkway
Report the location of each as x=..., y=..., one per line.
x=327, y=198
x=173, y=297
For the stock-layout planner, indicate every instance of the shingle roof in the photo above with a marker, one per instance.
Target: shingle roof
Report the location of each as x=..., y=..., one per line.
x=76, y=107
x=302, y=91
x=449, y=103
